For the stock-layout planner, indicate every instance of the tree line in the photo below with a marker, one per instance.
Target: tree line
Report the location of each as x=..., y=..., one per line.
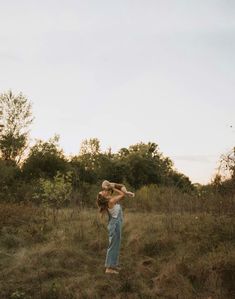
x=27, y=173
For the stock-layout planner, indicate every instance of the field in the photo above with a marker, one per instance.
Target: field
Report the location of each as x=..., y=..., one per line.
x=164, y=255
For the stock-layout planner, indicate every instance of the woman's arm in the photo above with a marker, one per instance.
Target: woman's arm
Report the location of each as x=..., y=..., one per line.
x=116, y=198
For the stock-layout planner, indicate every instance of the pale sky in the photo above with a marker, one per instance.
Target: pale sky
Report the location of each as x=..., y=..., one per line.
x=126, y=71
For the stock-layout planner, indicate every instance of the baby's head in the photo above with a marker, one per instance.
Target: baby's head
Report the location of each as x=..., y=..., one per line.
x=106, y=185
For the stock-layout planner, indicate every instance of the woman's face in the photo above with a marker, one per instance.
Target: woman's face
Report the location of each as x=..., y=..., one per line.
x=105, y=193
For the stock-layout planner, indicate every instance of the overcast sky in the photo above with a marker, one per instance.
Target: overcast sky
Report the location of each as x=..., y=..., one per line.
x=126, y=71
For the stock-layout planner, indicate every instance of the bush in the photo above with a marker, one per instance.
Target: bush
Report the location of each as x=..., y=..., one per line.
x=55, y=193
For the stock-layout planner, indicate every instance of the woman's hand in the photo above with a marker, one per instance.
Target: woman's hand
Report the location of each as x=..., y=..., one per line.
x=114, y=199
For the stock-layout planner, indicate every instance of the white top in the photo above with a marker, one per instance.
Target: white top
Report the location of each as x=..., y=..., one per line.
x=115, y=210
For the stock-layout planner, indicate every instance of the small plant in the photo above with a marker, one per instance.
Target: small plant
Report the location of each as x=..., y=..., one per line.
x=55, y=193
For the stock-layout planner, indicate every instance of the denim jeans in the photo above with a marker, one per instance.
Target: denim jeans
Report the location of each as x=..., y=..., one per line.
x=115, y=230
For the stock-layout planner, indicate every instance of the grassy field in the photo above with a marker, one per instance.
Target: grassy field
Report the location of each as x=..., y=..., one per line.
x=176, y=255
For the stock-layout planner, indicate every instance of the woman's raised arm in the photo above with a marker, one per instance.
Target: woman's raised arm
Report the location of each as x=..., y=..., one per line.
x=114, y=199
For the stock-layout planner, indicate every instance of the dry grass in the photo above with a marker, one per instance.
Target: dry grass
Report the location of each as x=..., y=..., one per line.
x=163, y=256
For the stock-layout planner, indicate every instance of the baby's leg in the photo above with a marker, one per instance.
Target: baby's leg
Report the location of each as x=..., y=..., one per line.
x=118, y=186
x=124, y=190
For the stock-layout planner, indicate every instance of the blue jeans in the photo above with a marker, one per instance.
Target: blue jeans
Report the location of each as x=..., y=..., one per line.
x=115, y=230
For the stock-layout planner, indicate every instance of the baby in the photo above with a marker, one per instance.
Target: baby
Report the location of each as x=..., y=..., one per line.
x=106, y=185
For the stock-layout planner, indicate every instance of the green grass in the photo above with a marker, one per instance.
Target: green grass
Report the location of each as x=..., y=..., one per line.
x=163, y=256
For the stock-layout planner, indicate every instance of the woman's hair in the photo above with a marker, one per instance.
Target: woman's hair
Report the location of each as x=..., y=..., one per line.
x=102, y=203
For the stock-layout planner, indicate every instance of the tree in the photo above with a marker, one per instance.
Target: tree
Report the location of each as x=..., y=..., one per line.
x=88, y=160
x=9, y=178
x=16, y=116
x=227, y=165
x=144, y=164
x=181, y=181
x=45, y=160
x=224, y=181
x=90, y=146
x=111, y=168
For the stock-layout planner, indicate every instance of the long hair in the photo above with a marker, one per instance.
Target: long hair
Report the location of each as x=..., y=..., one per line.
x=102, y=203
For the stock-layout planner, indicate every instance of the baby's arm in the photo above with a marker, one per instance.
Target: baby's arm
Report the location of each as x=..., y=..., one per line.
x=123, y=189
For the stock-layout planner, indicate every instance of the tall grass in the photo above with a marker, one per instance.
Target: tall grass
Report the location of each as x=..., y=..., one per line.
x=173, y=200
x=163, y=255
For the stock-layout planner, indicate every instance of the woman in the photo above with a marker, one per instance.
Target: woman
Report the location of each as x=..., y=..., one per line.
x=109, y=204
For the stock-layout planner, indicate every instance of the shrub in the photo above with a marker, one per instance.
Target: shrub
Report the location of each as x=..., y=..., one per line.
x=55, y=193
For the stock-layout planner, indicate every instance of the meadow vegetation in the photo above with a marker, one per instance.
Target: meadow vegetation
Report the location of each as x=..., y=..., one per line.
x=167, y=251
x=178, y=237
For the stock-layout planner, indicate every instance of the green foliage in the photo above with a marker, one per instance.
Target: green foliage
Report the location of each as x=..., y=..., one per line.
x=141, y=164
x=227, y=165
x=16, y=117
x=82, y=172
x=45, y=160
x=92, y=169
x=55, y=193
x=224, y=181
x=86, y=166
x=111, y=168
x=89, y=154
x=181, y=181
x=12, y=146
x=9, y=177
x=13, y=187
x=145, y=165
x=90, y=146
